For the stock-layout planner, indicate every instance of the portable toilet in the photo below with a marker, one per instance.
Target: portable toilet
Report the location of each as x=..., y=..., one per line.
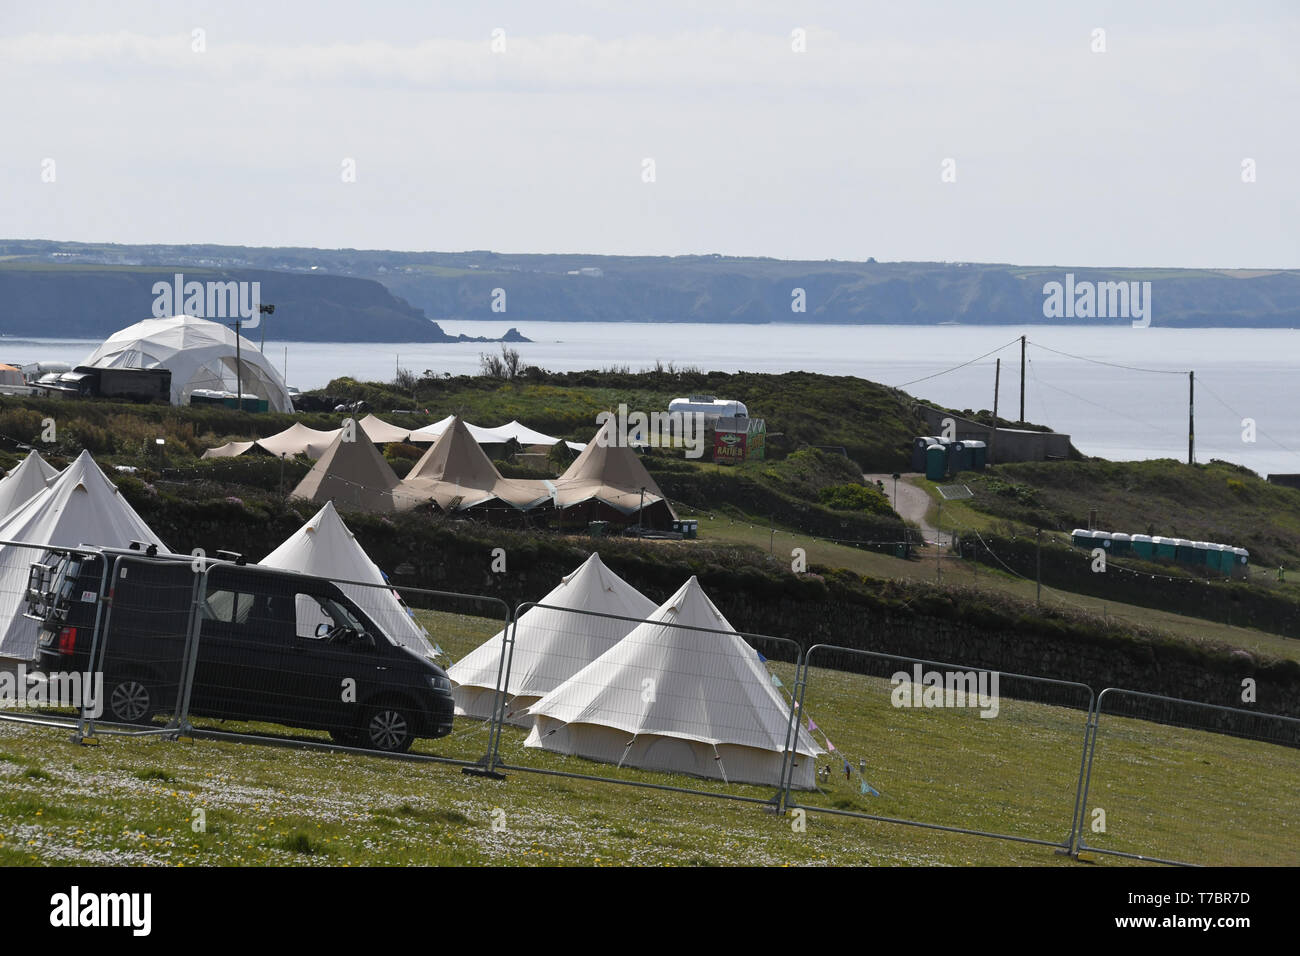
x=1121, y=543
x=1240, y=562
x=1202, y=549
x=919, y=445
x=1142, y=546
x=1184, y=551
x=1081, y=538
x=1101, y=539
x=1214, y=558
x=936, y=462
x=958, y=457
x=1163, y=548
x=979, y=455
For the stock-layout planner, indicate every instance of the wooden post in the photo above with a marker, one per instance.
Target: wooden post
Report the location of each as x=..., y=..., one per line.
x=993, y=435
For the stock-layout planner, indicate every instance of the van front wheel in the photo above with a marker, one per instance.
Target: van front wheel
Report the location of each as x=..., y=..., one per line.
x=389, y=727
x=129, y=701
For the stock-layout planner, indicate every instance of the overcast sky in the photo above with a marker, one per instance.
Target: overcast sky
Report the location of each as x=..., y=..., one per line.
x=1062, y=155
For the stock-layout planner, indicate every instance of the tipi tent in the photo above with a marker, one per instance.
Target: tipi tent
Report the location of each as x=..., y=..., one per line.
x=81, y=506
x=550, y=645
x=200, y=355
x=670, y=698
x=298, y=439
x=326, y=548
x=609, y=473
x=31, y=477
x=456, y=474
x=353, y=473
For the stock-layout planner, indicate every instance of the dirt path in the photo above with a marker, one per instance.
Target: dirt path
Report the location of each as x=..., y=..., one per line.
x=912, y=504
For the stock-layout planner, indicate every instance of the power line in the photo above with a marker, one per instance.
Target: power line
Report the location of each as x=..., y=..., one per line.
x=1130, y=368
x=962, y=365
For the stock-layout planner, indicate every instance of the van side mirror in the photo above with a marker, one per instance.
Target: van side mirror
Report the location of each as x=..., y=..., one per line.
x=322, y=629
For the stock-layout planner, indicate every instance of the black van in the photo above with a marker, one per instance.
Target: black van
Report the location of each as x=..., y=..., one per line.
x=273, y=646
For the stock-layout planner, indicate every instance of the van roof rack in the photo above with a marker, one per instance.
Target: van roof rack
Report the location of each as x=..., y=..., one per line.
x=232, y=556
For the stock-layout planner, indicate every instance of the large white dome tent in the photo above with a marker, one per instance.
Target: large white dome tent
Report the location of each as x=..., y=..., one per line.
x=200, y=354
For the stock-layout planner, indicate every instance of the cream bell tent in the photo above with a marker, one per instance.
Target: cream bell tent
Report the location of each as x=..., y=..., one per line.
x=200, y=355
x=326, y=548
x=670, y=698
x=298, y=439
x=608, y=474
x=81, y=506
x=352, y=473
x=456, y=474
x=30, y=478
x=550, y=645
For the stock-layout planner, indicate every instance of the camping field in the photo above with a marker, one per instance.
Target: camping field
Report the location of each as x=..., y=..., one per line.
x=1166, y=791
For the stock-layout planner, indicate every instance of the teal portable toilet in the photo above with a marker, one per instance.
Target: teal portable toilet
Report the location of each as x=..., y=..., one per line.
x=1202, y=551
x=1184, y=551
x=1101, y=539
x=936, y=462
x=1120, y=544
x=1081, y=538
x=1214, y=557
x=1164, y=548
x=1240, y=562
x=979, y=455
x=1142, y=546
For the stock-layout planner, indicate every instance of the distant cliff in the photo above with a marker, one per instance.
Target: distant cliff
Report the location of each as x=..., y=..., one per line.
x=387, y=290
x=93, y=301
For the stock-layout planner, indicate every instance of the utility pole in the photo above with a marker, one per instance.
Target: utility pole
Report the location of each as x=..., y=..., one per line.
x=993, y=435
x=1022, y=379
x=771, y=544
x=639, y=512
x=1191, y=418
x=1038, y=565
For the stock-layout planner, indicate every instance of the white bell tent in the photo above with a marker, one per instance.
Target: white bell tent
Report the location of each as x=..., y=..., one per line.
x=324, y=547
x=81, y=506
x=669, y=697
x=32, y=476
x=550, y=645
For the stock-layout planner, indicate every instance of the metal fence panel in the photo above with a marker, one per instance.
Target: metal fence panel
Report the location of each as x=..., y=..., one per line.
x=944, y=745
x=1186, y=782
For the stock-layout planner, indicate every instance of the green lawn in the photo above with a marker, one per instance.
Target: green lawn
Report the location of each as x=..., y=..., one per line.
x=132, y=801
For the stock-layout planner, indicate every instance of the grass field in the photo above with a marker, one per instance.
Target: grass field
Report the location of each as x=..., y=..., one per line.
x=133, y=801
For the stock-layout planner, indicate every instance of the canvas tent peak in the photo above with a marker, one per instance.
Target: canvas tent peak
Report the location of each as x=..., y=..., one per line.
x=80, y=507
x=552, y=642
x=353, y=473
x=31, y=477
x=325, y=547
